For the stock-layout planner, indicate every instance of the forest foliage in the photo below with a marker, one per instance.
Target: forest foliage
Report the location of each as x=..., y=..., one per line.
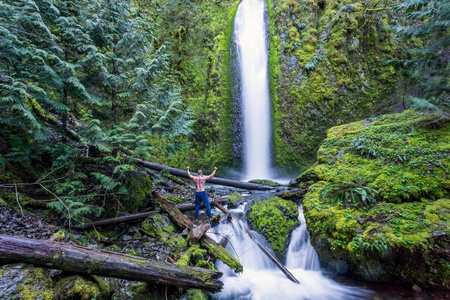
x=87, y=79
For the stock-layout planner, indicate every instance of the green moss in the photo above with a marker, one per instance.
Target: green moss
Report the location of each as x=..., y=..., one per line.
x=2, y=202
x=234, y=199
x=157, y=225
x=405, y=235
x=58, y=236
x=40, y=111
x=175, y=241
x=275, y=218
x=35, y=282
x=139, y=186
x=195, y=294
x=264, y=181
x=347, y=84
x=221, y=253
x=174, y=199
x=77, y=287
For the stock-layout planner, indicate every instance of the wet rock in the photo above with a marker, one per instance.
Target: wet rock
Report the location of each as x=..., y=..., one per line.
x=21, y=281
x=157, y=225
x=127, y=237
x=234, y=199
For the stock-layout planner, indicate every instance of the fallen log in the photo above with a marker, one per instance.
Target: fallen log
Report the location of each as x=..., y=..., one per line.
x=260, y=245
x=215, y=249
x=96, y=262
x=139, y=216
x=196, y=233
x=221, y=253
x=214, y=180
x=174, y=213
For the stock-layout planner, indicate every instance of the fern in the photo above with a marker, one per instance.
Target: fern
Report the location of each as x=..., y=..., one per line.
x=313, y=63
x=349, y=194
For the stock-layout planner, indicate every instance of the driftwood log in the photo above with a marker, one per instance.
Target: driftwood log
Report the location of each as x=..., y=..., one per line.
x=73, y=258
x=214, y=180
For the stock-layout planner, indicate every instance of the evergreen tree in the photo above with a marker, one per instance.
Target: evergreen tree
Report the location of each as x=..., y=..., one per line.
x=427, y=67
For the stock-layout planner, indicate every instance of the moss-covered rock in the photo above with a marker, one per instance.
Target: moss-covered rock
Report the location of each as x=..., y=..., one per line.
x=326, y=69
x=275, y=218
x=157, y=225
x=79, y=287
x=195, y=294
x=139, y=186
x=405, y=236
x=234, y=199
x=25, y=282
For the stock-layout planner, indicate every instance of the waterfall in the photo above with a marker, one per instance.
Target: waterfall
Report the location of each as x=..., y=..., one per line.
x=252, y=53
x=261, y=279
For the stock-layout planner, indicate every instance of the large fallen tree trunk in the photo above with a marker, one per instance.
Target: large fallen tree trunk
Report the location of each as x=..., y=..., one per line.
x=96, y=262
x=215, y=180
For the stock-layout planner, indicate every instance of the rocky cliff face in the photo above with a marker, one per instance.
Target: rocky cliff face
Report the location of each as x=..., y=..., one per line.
x=327, y=69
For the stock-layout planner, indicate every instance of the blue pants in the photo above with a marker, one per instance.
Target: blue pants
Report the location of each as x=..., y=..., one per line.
x=199, y=198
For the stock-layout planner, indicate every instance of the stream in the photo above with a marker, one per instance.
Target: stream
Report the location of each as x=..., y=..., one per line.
x=262, y=280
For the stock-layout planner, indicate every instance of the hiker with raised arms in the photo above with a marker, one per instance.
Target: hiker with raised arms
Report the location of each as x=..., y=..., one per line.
x=200, y=195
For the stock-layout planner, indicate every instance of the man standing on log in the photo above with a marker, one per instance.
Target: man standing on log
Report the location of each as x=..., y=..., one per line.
x=200, y=195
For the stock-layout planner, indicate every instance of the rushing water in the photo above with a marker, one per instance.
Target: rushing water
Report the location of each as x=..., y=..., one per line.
x=261, y=279
x=251, y=41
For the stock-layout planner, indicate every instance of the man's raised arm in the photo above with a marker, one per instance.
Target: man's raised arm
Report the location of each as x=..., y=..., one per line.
x=212, y=174
x=189, y=174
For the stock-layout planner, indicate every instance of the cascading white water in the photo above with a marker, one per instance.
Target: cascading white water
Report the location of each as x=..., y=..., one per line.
x=261, y=279
x=251, y=40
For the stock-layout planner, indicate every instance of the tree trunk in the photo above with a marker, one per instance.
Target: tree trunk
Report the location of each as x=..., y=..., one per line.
x=215, y=180
x=96, y=262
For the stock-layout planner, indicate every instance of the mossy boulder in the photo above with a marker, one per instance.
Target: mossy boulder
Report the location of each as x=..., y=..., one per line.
x=275, y=218
x=139, y=186
x=79, y=287
x=157, y=225
x=403, y=237
x=25, y=282
x=234, y=199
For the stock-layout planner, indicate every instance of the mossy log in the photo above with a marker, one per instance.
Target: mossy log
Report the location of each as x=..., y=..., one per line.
x=221, y=253
x=78, y=259
x=214, y=180
x=215, y=249
x=175, y=214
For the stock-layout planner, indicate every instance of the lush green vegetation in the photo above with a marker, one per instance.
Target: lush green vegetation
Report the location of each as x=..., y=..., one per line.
x=83, y=82
x=402, y=162
x=275, y=218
